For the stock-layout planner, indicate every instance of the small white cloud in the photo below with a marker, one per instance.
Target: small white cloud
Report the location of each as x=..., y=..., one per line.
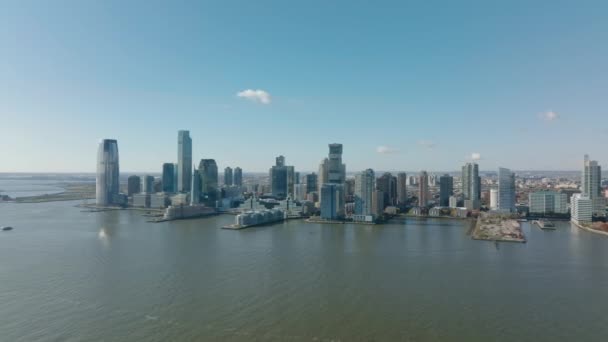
x=258, y=95
x=386, y=149
x=426, y=143
x=475, y=156
x=549, y=116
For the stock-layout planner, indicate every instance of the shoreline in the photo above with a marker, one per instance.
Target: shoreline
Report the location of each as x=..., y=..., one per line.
x=589, y=229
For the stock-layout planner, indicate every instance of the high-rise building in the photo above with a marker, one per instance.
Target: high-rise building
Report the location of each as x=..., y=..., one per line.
x=107, y=184
x=147, y=184
x=238, y=176
x=387, y=183
x=282, y=178
x=133, y=185
x=377, y=203
x=299, y=191
x=446, y=189
x=591, y=185
x=471, y=185
x=184, y=161
x=453, y=202
x=349, y=190
x=423, y=189
x=195, y=192
x=548, y=202
x=209, y=182
x=332, y=205
x=323, y=174
x=493, y=199
x=401, y=188
x=336, y=172
x=311, y=182
x=506, y=190
x=228, y=176
x=168, y=177
x=582, y=209
x=157, y=184
x=364, y=190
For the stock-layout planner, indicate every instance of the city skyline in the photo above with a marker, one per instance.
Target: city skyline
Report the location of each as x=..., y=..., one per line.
x=399, y=84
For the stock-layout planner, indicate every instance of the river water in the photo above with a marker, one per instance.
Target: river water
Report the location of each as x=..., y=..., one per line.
x=67, y=275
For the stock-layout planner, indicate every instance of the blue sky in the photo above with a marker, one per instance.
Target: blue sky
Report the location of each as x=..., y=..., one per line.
x=428, y=83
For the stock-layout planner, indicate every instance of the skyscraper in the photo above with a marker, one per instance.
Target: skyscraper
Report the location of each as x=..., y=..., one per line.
x=228, y=176
x=446, y=189
x=133, y=185
x=184, y=161
x=107, y=184
x=506, y=190
x=332, y=206
x=195, y=192
x=364, y=190
x=323, y=174
x=311, y=183
x=238, y=176
x=591, y=185
x=209, y=181
x=471, y=185
x=281, y=178
x=336, y=172
x=168, y=177
x=401, y=188
x=387, y=183
x=423, y=189
x=147, y=184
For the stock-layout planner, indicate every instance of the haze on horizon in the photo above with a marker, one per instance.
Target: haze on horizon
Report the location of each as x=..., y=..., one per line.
x=403, y=85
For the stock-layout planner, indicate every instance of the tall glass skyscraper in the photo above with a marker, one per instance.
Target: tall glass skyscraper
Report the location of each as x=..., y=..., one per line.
x=238, y=176
x=591, y=185
x=168, y=177
x=446, y=189
x=364, y=190
x=401, y=188
x=209, y=181
x=228, y=176
x=471, y=185
x=107, y=184
x=184, y=161
x=506, y=190
x=423, y=189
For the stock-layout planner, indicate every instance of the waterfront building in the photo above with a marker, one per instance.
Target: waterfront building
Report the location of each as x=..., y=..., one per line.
x=471, y=185
x=349, y=190
x=311, y=182
x=453, y=202
x=279, y=176
x=591, y=185
x=387, y=183
x=506, y=190
x=147, y=184
x=548, y=202
x=133, y=185
x=141, y=200
x=209, y=194
x=291, y=180
x=364, y=190
x=336, y=172
x=180, y=199
x=159, y=200
x=446, y=189
x=323, y=174
x=332, y=203
x=423, y=189
x=493, y=199
x=582, y=209
x=157, y=185
x=107, y=184
x=377, y=203
x=228, y=176
x=195, y=192
x=238, y=176
x=184, y=161
x=169, y=177
x=401, y=188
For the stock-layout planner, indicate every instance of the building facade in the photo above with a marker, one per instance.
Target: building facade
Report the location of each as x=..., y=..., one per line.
x=506, y=190
x=423, y=189
x=133, y=185
x=228, y=176
x=238, y=176
x=168, y=177
x=209, y=194
x=582, y=209
x=184, y=161
x=107, y=184
x=364, y=190
x=471, y=185
x=548, y=202
x=446, y=189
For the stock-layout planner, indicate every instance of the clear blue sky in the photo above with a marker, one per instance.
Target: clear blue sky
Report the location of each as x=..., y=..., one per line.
x=522, y=83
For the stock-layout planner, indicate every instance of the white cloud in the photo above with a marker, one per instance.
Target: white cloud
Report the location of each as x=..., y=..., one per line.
x=549, y=116
x=258, y=95
x=386, y=149
x=475, y=156
x=426, y=143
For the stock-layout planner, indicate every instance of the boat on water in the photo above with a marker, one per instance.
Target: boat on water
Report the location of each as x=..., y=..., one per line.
x=7, y=228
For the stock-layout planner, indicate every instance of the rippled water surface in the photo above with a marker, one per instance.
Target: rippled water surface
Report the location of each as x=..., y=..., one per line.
x=67, y=275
